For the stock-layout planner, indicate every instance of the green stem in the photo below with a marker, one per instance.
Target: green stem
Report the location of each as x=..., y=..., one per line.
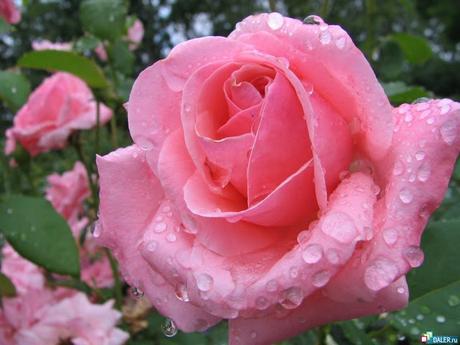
x=325, y=9
x=116, y=278
x=322, y=334
x=113, y=129
x=97, y=133
x=272, y=5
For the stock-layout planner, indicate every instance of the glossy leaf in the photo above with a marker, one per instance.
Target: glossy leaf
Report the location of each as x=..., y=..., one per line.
x=398, y=92
x=38, y=233
x=104, y=18
x=416, y=49
x=54, y=60
x=14, y=89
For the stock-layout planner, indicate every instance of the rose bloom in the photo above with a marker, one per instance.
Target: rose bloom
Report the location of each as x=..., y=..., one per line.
x=45, y=45
x=271, y=182
x=9, y=12
x=60, y=105
x=41, y=316
x=67, y=192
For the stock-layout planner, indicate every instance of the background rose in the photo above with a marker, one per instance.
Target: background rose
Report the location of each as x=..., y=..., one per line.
x=67, y=192
x=61, y=104
x=135, y=34
x=39, y=315
x=9, y=12
x=239, y=141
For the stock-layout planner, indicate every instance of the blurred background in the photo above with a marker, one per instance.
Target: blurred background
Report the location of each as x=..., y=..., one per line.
x=413, y=47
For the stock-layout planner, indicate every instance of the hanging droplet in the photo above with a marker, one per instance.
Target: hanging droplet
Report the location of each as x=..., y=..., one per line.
x=321, y=278
x=414, y=256
x=291, y=298
x=390, y=236
x=405, y=195
x=182, y=293
x=169, y=328
x=312, y=253
x=204, y=282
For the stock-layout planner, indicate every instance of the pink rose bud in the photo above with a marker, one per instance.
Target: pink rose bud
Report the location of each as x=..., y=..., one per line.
x=60, y=105
x=101, y=52
x=271, y=182
x=9, y=12
x=135, y=34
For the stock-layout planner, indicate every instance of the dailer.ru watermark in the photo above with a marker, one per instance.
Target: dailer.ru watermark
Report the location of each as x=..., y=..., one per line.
x=430, y=338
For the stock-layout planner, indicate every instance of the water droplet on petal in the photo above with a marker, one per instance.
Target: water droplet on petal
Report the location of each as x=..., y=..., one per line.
x=275, y=21
x=401, y=290
x=169, y=328
x=340, y=42
x=144, y=143
x=321, y=278
x=204, y=282
x=449, y=131
x=422, y=106
x=414, y=256
x=444, y=109
x=440, y=319
x=253, y=335
x=271, y=286
x=96, y=229
x=171, y=237
x=390, y=236
x=408, y=118
x=262, y=303
x=291, y=298
x=380, y=274
x=182, y=293
x=325, y=37
x=424, y=172
x=294, y=272
x=160, y=227
x=312, y=253
x=339, y=226
x=430, y=120
x=152, y=246
x=406, y=195
x=313, y=19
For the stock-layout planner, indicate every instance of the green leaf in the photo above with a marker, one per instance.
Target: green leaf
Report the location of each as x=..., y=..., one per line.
x=440, y=244
x=416, y=49
x=121, y=57
x=38, y=233
x=436, y=311
x=104, y=18
x=54, y=60
x=4, y=26
x=7, y=288
x=86, y=43
x=354, y=332
x=398, y=92
x=14, y=89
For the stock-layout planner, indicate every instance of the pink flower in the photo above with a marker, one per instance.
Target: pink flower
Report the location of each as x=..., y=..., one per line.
x=9, y=12
x=271, y=182
x=135, y=34
x=101, y=52
x=78, y=320
x=41, y=316
x=45, y=44
x=96, y=270
x=60, y=105
x=67, y=192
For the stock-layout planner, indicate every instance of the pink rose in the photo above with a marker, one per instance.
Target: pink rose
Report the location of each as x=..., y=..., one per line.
x=45, y=44
x=67, y=192
x=135, y=34
x=41, y=316
x=9, y=12
x=271, y=182
x=60, y=105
